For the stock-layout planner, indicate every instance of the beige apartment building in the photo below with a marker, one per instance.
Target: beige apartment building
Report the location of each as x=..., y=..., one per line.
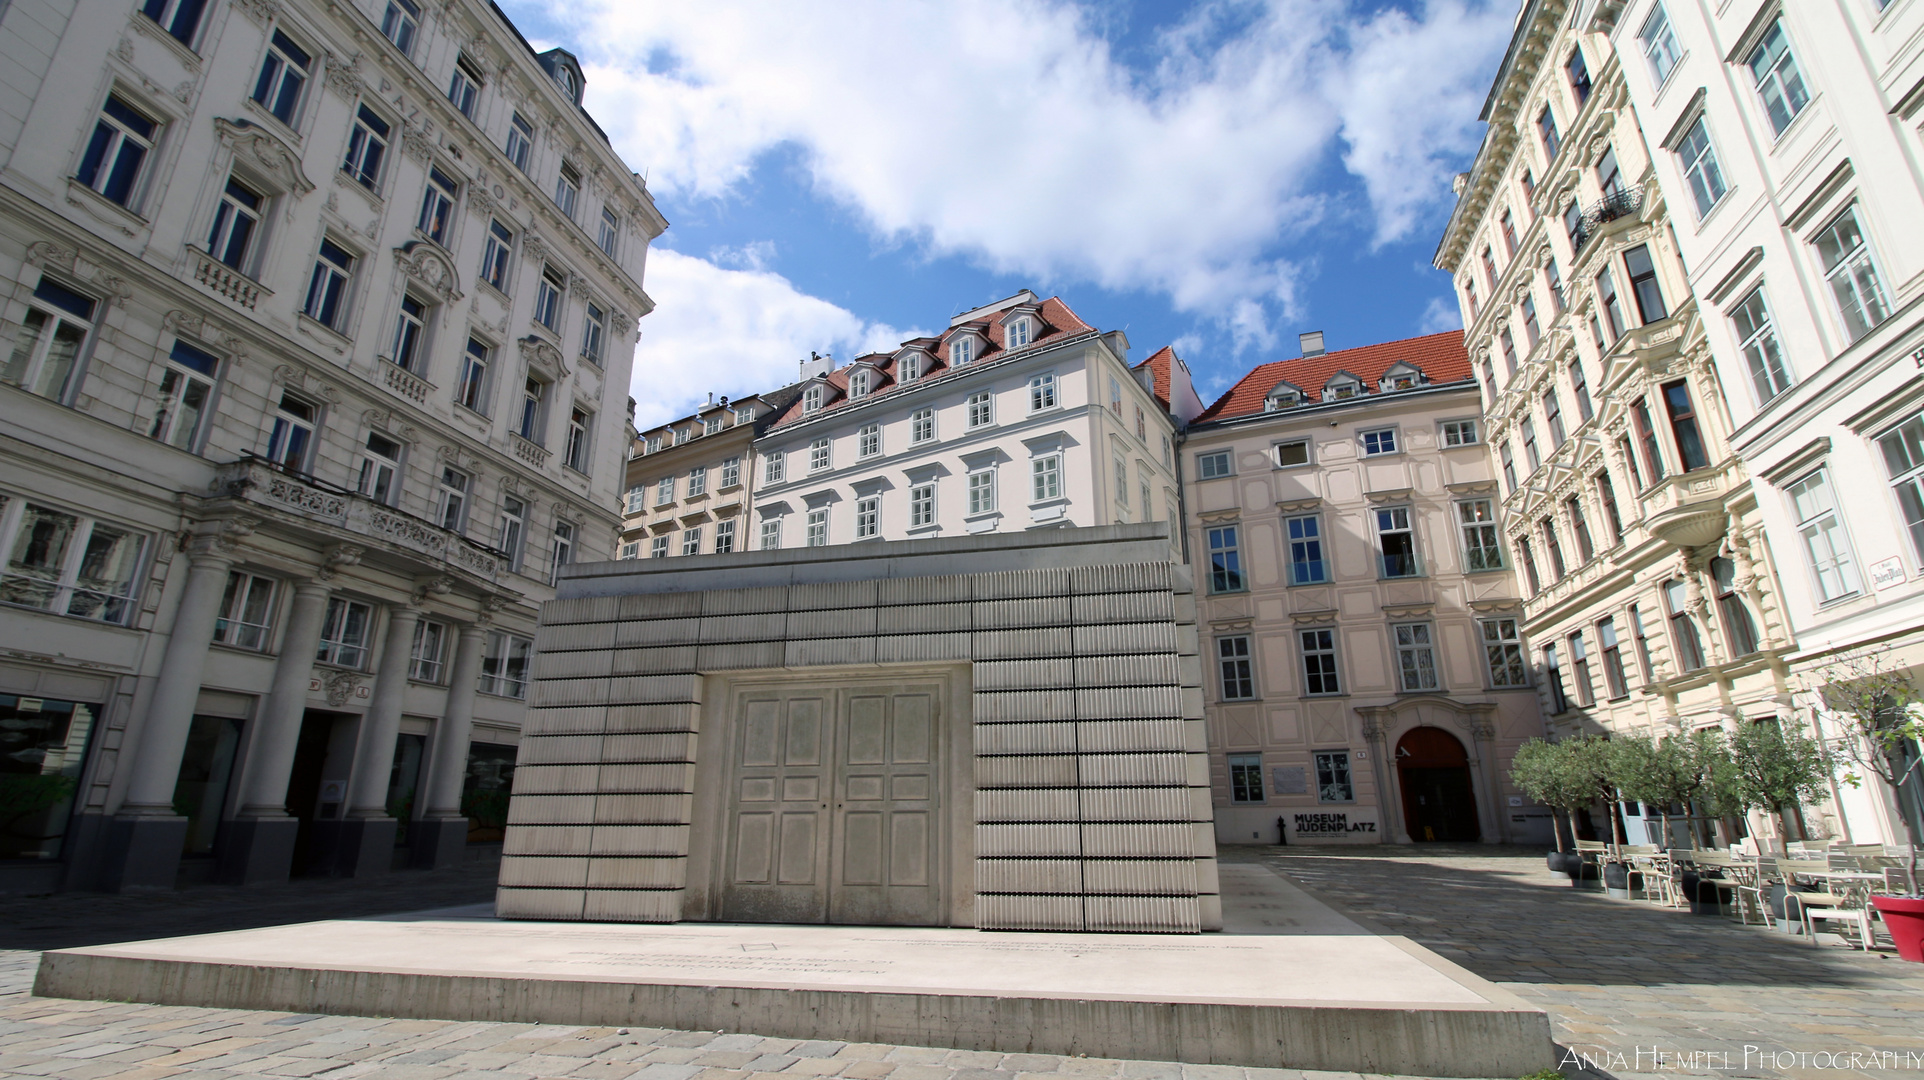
x=1367, y=675
x=1790, y=140
x=691, y=481
x=1652, y=597
x=320, y=321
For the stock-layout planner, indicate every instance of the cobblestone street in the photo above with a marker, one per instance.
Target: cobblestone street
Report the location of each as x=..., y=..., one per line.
x=1617, y=977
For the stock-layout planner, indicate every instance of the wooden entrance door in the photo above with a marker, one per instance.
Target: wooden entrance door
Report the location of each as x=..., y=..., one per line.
x=1439, y=799
x=833, y=806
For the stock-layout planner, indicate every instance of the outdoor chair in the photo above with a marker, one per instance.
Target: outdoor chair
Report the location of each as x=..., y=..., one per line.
x=1847, y=906
x=1730, y=879
x=1753, y=883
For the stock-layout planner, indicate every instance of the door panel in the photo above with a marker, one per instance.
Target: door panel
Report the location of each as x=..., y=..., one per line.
x=833, y=809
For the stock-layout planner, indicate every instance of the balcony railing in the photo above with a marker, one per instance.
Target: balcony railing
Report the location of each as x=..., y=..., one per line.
x=256, y=481
x=529, y=452
x=1617, y=204
x=226, y=280
x=405, y=382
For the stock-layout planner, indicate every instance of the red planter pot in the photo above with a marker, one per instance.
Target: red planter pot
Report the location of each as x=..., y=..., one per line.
x=1904, y=918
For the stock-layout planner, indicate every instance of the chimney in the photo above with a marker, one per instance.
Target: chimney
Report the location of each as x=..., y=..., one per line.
x=1312, y=343
x=817, y=364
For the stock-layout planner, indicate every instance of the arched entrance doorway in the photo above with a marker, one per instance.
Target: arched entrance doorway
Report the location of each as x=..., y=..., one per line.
x=1439, y=800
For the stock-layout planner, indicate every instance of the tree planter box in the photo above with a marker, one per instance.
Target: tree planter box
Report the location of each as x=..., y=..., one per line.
x=1904, y=918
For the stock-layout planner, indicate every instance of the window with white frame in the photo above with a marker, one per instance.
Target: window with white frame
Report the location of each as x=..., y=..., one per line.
x=697, y=481
x=725, y=536
x=1398, y=542
x=1579, y=527
x=1308, y=565
x=1115, y=396
x=180, y=18
x=630, y=550
x=1854, y=280
x=345, y=632
x=547, y=298
x=594, y=331
x=380, y=473
x=68, y=563
x=1245, y=778
x=1415, y=657
x=1503, y=653
x=290, y=440
x=1821, y=531
x=1659, y=45
x=908, y=369
x=1238, y=681
x=1757, y=336
x=664, y=491
x=520, y=141
x=115, y=161
x=1482, y=544
x=744, y=414
x=982, y=491
x=1379, y=441
x=1121, y=472
x=1042, y=391
x=1903, y=448
x=1292, y=452
x=921, y=505
x=858, y=383
x=464, y=86
x=1580, y=678
x=437, y=205
x=868, y=517
x=246, y=611
x=1581, y=387
x=563, y=551
x=327, y=288
x=471, y=385
x=1780, y=86
x=567, y=190
x=1459, y=433
x=512, y=528
x=533, y=422
x=922, y=425
x=731, y=473
x=504, y=665
x=1045, y=476
x=1683, y=629
x=1700, y=168
x=430, y=646
x=1225, y=559
x=366, y=148
x=410, y=333
x=1319, y=662
x=51, y=342
x=283, y=77
x=775, y=467
x=1212, y=465
x=452, y=499
x=1614, y=683
x=812, y=399
x=636, y=500
x=400, y=23
x=1333, y=781
x=658, y=547
x=817, y=534
x=961, y=351
x=1018, y=333
x=237, y=221
x=494, y=255
x=981, y=406
x=691, y=541
x=1740, y=629
x=771, y=533
x=818, y=458
x=1553, y=681
x=609, y=232
x=575, y=452
x=185, y=397
x=868, y=440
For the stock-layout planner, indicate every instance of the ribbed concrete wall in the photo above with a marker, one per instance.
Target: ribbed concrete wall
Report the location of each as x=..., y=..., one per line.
x=1090, y=783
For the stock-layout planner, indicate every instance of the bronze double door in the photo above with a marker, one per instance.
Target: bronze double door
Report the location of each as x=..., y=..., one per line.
x=833, y=807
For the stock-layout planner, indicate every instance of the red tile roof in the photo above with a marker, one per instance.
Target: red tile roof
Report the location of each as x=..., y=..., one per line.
x=1057, y=322
x=1158, y=365
x=1440, y=357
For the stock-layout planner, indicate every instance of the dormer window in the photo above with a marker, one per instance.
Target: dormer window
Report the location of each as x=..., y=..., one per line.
x=566, y=79
x=712, y=424
x=908, y=369
x=1401, y=377
x=1020, y=332
x=812, y=400
x=1282, y=396
x=961, y=351
x=1343, y=386
x=858, y=383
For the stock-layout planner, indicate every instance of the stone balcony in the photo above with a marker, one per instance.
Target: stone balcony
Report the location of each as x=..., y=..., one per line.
x=533, y=453
x=405, y=382
x=1688, y=510
x=226, y=280
x=330, y=509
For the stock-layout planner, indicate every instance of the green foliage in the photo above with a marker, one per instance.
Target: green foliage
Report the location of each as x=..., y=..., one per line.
x=22, y=794
x=1548, y=773
x=1877, y=698
x=487, y=808
x=1777, y=768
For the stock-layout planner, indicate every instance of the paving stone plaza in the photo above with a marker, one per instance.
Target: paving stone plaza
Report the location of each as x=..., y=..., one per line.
x=1616, y=977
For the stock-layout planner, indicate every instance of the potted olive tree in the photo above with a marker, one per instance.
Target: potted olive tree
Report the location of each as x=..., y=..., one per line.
x=1542, y=770
x=1883, y=711
x=1778, y=771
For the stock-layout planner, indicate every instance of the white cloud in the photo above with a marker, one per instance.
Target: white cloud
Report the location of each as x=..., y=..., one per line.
x=1004, y=130
x=724, y=331
x=1440, y=314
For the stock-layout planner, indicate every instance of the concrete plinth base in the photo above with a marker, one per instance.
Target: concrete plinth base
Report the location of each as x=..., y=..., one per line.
x=354, y=847
x=143, y=852
x=1289, y=984
x=257, y=850
x=437, y=843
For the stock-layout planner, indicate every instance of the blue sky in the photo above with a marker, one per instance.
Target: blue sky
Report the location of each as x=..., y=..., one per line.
x=1220, y=176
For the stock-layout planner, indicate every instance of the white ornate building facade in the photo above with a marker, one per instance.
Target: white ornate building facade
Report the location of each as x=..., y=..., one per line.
x=320, y=319
x=1018, y=416
x=1652, y=594
x=1789, y=140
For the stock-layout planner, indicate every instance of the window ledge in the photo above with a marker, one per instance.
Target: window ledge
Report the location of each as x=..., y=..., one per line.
x=120, y=217
x=919, y=530
x=280, y=126
x=149, y=28
x=319, y=330
x=343, y=178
